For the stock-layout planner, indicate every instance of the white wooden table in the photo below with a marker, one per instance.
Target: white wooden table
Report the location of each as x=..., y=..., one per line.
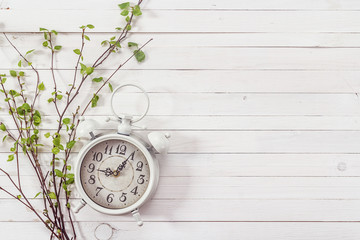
x=260, y=97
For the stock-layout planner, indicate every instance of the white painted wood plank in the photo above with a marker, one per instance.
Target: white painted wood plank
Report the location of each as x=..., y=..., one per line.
x=184, y=58
x=254, y=142
x=260, y=39
x=220, y=81
x=190, y=5
x=237, y=165
x=222, y=188
x=211, y=210
x=186, y=21
x=238, y=123
x=199, y=230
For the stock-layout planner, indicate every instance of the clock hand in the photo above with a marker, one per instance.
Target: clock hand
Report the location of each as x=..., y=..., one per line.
x=122, y=165
x=107, y=171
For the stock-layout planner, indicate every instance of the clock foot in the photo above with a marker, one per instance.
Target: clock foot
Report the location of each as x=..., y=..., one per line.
x=81, y=204
x=137, y=217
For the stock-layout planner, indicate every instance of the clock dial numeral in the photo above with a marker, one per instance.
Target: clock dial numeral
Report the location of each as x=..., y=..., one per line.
x=141, y=179
x=110, y=198
x=92, y=179
x=97, y=156
x=98, y=189
x=110, y=150
x=134, y=191
x=139, y=166
x=91, y=168
x=131, y=156
x=121, y=149
x=123, y=197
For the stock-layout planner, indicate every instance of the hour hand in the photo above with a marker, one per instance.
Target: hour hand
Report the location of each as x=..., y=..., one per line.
x=107, y=171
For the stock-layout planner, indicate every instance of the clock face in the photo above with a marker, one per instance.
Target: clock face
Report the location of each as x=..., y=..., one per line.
x=114, y=174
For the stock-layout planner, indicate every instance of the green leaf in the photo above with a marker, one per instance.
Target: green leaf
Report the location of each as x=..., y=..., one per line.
x=18, y=196
x=56, y=142
x=37, y=118
x=19, y=64
x=137, y=11
x=68, y=205
x=3, y=80
x=58, y=47
x=50, y=100
x=21, y=74
x=41, y=86
x=87, y=37
x=124, y=5
x=66, y=121
x=59, y=96
x=44, y=29
x=89, y=70
x=139, y=55
x=77, y=51
x=36, y=131
x=37, y=194
x=58, y=173
x=132, y=44
x=47, y=135
x=70, y=144
x=94, y=101
x=55, y=150
x=125, y=12
x=52, y=195
x=2, y=127
x=118, y=28
x=13, y=73
x=104, y=43
x=4, y=138
x=128, y=27
x=45, y=43
x=82, y=27
x=111, y=87
x=68, y=167
x=30, y=51
x=10, y=157
x=55, y=32
x=90, y=26
x=127, y=19
x=99, y=79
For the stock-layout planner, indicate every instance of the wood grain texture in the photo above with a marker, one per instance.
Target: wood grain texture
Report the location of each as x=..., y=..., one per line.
x=261, y=99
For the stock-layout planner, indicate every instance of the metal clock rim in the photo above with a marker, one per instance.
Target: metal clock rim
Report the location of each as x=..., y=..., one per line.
x=138, y=87
x=152, y=181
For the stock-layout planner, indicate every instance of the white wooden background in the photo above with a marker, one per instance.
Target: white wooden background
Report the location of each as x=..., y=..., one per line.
x=260, y=97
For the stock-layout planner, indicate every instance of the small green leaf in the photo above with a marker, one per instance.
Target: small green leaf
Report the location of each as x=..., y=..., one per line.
x=125, y=12
x=58, y=173
x=137, y=11
x=139, y=55
x=44, y=29
x=77, y=51
x=82, y=27
x=55, y=32
x=4, y=138
x=68, y=167
x=2, y=127
x=89, y=70
x=30, y=51
x=132, y=44
x=56, y=141
x=90, y=26
x=21, y=74
x=10, y=157
x=70, y=144
x=118, y=28
x=52, y=195
x=18, y=196
x=94, y=101
x=37, y=194
x=13, y=73
x=19, y=64
x=87, y=37
x=58, y=47
x=66, y=121
x=45, y=43
x=128, y=27
x=47, y=135
x=111, y=87
x=36, y=131
x=55, y=150
x=50, y=100
x=68, y=205
x=124, y=5
x=99, y=79
x=59, y=96
x=41, y=86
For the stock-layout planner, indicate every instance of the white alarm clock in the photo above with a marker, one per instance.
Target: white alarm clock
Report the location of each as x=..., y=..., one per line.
x=118, y=173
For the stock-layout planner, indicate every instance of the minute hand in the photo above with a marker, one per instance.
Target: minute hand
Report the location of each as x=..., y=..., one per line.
x=123, y=164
